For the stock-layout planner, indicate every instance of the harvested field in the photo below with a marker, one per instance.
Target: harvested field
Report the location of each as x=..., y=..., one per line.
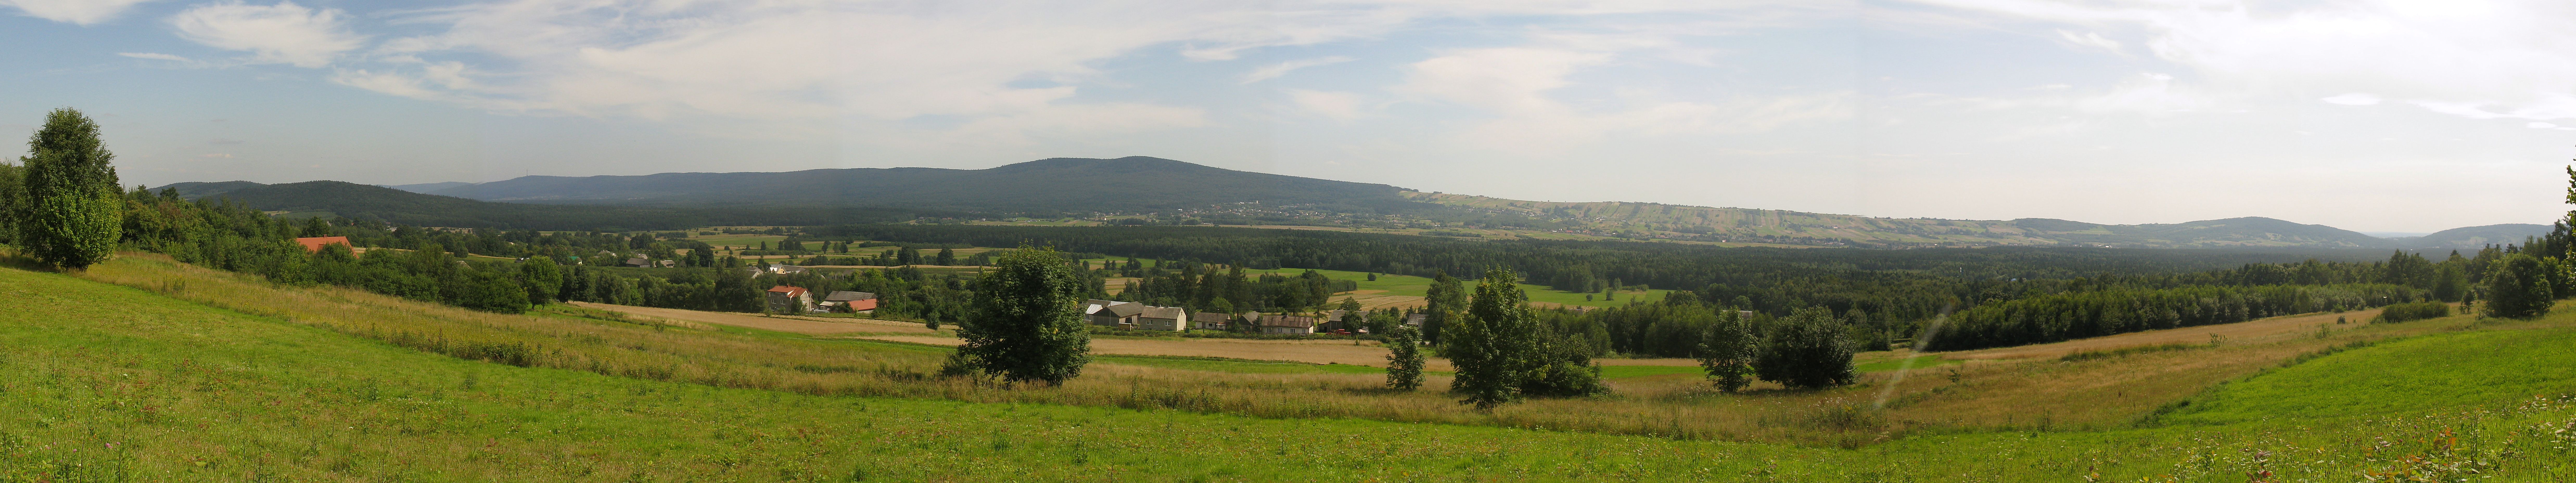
x=798, y=325
x=2258, y=330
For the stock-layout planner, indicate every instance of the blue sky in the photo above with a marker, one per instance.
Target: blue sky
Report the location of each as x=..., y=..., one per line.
x=2401, y=116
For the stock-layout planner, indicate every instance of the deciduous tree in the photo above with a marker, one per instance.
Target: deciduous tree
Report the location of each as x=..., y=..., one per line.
x=1403, y=358
x=1026, y=324
x=1807, y=350
x=73, y=214
x=1726, y=351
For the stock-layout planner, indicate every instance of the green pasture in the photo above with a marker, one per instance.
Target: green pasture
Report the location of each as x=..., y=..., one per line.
x=108, y=383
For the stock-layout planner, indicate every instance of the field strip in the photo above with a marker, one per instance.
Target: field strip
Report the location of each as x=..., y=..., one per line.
x=1308, y=351
x=2240, y=332
x=797, y=325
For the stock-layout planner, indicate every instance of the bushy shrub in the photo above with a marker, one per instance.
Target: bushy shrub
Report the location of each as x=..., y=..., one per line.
x=2413, y=311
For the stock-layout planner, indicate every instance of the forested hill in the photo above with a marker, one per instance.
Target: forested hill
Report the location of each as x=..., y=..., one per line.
x=1154, y=191
x=357, y=201
x=1748, y=225
x=1060, y=185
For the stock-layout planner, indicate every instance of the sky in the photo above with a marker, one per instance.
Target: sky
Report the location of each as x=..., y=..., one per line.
x=2380, y=116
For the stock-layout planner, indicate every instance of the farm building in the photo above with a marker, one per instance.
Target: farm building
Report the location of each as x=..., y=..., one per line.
x=314, y=244
x=848, y=301
x=638, y=262
x=1209, y=320
x=794, y=300
x=1164, y=318
x=1287, y=324
x=1416, y=319
x=1113, y=313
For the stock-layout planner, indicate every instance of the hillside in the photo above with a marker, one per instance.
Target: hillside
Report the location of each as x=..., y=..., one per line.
x=357, y=201
x=170, y=376
x=1748, y=225
x=1154, y=191
x=1047, y=186
x=2475, y=237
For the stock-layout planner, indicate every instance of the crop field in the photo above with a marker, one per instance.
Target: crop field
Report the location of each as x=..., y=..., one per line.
x=143, y=369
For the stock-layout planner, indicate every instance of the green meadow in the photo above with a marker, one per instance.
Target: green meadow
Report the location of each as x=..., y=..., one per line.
x=118, y=383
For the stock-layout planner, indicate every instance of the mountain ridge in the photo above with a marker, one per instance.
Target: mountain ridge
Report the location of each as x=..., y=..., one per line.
x=1147, y=190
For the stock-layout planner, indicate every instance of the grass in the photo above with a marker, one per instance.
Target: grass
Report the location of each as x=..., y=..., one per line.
x=185, y=374
x=1411, y=286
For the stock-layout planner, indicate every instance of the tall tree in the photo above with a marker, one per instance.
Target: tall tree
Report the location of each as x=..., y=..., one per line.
x=1403, y=358
x=13, y=198
x=1726, y=351
x=1026, y=324
x=1445, y=299
x=1806, y=351
x=2518, y=286
x=73, y=215
x=946, y=257
x=542, y=278
x=1490, y=346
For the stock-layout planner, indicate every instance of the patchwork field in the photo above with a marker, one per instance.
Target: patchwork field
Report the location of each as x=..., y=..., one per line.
x=146, y=370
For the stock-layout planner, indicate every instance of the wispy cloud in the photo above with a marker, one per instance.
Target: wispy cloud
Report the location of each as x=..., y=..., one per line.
x=284, y=33
x=1273, y=71
x=82, y=12
x=153, y=56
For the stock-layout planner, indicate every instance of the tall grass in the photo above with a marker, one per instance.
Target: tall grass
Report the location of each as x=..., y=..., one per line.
x=1990, y=395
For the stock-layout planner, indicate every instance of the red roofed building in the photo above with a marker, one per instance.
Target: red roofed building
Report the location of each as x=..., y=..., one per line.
x=314, y=244
x=791, y=300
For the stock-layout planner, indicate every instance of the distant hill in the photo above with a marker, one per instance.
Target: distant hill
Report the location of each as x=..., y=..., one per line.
x=428, y=188
x=1760, y=226
x=335, y=198
x=1047, y=186
x=1123, y=189
x=2474, y=236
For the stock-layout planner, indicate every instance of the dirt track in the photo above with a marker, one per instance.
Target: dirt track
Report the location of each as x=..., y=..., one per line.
x=799, y=325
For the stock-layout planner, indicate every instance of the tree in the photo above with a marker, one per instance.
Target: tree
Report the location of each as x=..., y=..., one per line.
x=1445, y=298
x=491, y=291
x=946, y=257
x=1403, y=358
x=1026, y=323
x=1727, y=350
x=1807, y=350
x=1353, y=317
x=2518, y=286
x=1490, y=345
x=13, y=198
x=1502, y=352
x=73, y=215
x=542, y=278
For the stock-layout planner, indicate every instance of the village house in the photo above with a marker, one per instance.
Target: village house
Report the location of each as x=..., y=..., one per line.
x=1164, y=318
x=848, y=301
x=638, y=262
x=1209, y=320
x=1112, y=313
x=1415, y=320
x=793, y=300
x=1287, y=324
x=315, y=244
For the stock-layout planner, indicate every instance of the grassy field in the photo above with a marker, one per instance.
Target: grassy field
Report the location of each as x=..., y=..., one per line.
x=185, y=374
x=1416, y=287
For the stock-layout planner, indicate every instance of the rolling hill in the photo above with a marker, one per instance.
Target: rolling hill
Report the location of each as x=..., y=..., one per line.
x=1047, y=186
x=335, y=198
x=1161, y=191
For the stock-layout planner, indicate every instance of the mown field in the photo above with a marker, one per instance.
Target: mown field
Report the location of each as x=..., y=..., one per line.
x=142, y=369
